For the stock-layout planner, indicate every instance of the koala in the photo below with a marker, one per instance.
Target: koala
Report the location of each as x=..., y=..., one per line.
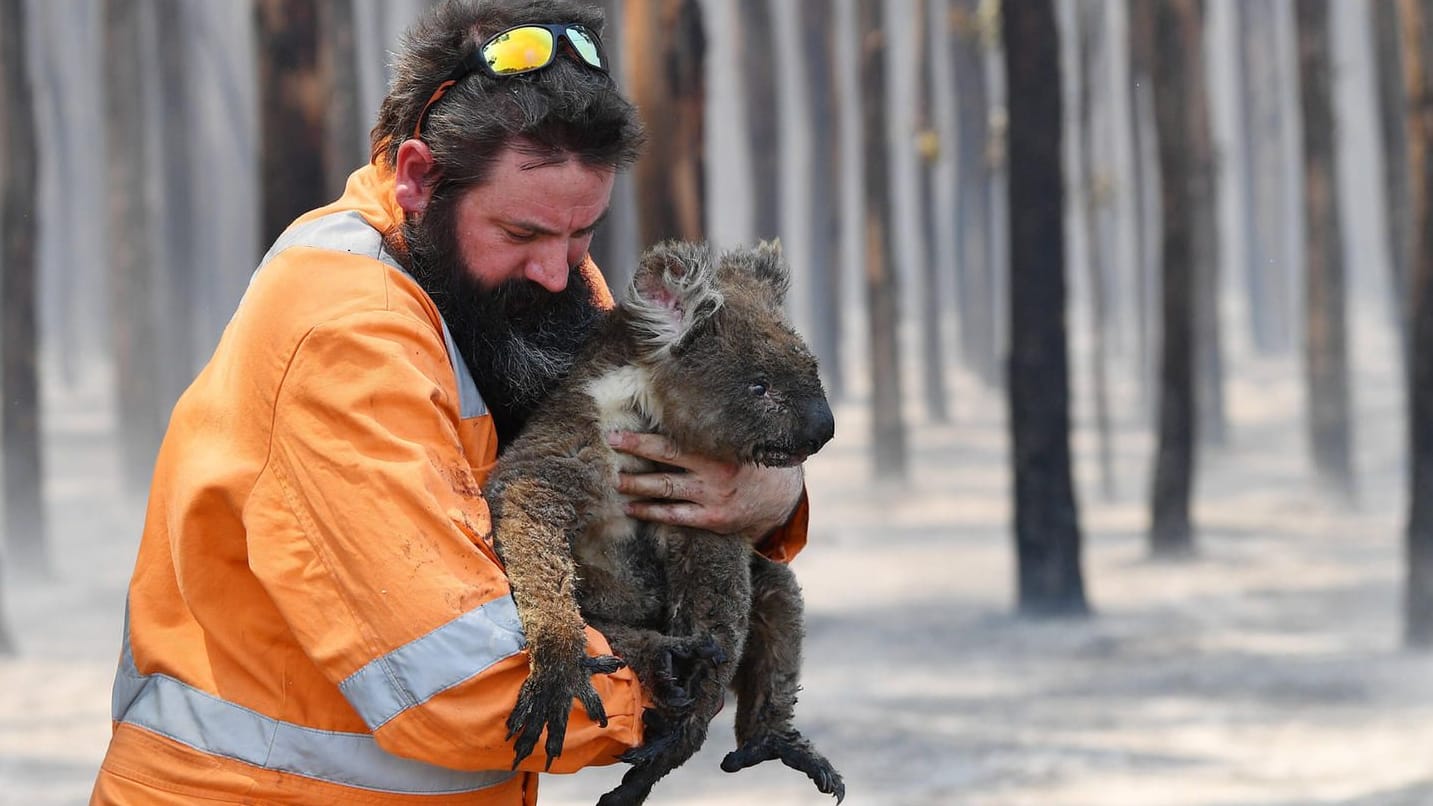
x=700, y=351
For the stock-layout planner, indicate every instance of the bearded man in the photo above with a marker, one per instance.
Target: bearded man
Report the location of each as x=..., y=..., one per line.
x=317, y=615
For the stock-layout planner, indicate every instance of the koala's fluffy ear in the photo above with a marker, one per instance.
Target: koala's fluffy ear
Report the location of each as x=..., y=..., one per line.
x=769, y=266
x=673, y=290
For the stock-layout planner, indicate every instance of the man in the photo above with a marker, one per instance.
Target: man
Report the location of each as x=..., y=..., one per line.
x=316, y=614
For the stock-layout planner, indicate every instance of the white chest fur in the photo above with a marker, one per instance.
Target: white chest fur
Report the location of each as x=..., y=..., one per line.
x=624, y=402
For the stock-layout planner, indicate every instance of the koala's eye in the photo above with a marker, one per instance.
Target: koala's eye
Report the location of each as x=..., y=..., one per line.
x=758, y=389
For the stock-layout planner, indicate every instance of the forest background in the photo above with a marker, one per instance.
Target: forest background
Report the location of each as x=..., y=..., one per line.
x=1121, y=304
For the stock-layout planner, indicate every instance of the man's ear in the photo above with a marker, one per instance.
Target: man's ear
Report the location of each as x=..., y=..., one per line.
x=673, y=290
x=414, y=176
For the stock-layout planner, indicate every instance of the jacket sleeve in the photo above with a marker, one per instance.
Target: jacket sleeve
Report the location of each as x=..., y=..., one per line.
x=786, y=542
x=377, y=557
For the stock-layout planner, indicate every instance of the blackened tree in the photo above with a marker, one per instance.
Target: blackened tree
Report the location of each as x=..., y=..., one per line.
x=19, y=378
x=970, y=39
x=665, y=46
x=1047, y=527
x=818, y=41
x=1418, y=596
x=134, y=270
x=1325, y=330
x=1178, y=47
x=293, y=113
x=882, y=294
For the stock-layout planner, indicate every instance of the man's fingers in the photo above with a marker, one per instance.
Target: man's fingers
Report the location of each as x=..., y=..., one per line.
x=670, y=486
x=648, y=446
x=675, y=514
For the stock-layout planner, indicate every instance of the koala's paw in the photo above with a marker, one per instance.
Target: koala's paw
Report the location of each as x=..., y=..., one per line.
x=795, y=752
x=658, y=736
x=546, y=699
x=684, y=662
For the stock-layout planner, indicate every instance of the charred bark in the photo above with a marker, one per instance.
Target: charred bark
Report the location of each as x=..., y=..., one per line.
x=1326, y=336
x=614, y=245
x=1145, y=159
x=1418, y=595
x=975, y=296
x=818, y=39
x=1097, y=198
x=25, y=522
x=1178, y=40
x=134, y=270
x=665, y=52
x=1047, y=530
x=1265, y=209
x=345, y=125
x=1397, y=181
x=928, y=150
x=882, y=295
x=293, y=113
x=763, y=122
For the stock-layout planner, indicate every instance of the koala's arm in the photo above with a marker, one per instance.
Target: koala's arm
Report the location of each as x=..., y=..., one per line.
x=538, y=502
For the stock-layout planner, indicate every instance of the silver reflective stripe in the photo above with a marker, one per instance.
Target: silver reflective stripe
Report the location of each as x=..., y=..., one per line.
x=411, y=674
x=350, y=232
x=166, y=706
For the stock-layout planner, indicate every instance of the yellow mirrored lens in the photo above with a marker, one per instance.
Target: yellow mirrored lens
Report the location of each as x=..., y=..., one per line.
x=583, y=43
x=519, y=50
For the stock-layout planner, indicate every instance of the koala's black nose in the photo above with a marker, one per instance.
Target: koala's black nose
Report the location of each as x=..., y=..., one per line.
x=820, y=425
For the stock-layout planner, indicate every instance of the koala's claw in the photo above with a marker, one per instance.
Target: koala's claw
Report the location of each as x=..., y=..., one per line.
x=545, y=701
x=602, y=664
x=795, y=752
x=658, y=732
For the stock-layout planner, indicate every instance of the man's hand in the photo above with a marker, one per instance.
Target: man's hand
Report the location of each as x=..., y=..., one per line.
x=729, y=499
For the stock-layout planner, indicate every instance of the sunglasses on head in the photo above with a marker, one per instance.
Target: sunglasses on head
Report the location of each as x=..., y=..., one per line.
x=522, y=49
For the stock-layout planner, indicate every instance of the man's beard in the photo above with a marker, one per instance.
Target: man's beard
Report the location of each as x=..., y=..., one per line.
x=518, y=339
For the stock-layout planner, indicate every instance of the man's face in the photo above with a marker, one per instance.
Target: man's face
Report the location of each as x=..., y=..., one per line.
x=499, y=261
x=531, y=221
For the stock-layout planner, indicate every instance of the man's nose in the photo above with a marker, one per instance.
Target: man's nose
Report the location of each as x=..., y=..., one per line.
x=548, y=267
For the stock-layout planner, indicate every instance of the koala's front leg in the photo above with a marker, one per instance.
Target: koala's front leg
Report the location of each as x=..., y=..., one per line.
x=534, y=514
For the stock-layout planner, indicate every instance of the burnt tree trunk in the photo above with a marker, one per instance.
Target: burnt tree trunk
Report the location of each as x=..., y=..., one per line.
x=1411, y=17
x=1418, y=596
x=1097, y=197
x=1047, y=527
x=1145, y=160
x=665, y=51
x=1208, y=335
x=177, y=295
x=818, y=40
x=614, y=245
x=345, y=125
x=763, y=124
x=20, y=434
x=973, y=194
x=928, y=149
x=1326, y=337
x=1178, y=46
x=1262, y=139
x=1394, y=135
x=882, y=295
x=293, y=112
x=134, y=272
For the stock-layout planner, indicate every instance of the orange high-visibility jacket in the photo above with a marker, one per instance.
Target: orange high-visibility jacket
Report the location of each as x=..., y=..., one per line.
x=317, y=615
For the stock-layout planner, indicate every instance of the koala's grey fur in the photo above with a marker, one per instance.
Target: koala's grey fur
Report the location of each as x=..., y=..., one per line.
x=700, y=351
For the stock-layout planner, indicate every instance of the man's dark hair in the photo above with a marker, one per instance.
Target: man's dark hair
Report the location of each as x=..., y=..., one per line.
x=567, y=108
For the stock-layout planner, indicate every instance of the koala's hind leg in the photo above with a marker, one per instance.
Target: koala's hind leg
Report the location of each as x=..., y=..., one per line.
x=768, y=679
x=709, y=596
